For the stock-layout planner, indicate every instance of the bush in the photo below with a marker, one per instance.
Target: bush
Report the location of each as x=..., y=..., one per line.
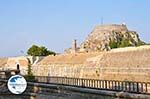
x=113, y=44
x=121, y=43
x=141, y=43
x=125, y=43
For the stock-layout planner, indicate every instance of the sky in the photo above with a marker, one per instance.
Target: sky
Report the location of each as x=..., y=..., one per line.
x=55, y=23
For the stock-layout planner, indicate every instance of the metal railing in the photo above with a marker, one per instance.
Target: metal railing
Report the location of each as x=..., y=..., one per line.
x=113, y=85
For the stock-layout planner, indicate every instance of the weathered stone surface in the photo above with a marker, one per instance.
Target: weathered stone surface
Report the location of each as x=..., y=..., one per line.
x=100, y=37
x=3, y=62
x=131, y=63
x=10, y=63
x=67, y=65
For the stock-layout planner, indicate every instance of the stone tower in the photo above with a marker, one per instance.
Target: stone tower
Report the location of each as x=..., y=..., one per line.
x=74, y=46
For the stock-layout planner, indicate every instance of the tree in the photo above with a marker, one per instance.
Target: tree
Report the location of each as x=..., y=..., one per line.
x=29, y=76
x=35, y=50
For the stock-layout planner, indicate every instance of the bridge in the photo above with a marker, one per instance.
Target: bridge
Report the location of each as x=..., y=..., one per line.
x=64, y=87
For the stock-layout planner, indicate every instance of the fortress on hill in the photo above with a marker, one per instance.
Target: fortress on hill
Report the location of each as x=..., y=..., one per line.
x=95, y=58
x=101, y=36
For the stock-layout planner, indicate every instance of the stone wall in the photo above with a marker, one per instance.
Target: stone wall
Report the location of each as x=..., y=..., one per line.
x=3, y=61
x=68, y=65
x=121, y=64
x=111, y=27
x=64, y=70
x=132, y=63
x=11, y=63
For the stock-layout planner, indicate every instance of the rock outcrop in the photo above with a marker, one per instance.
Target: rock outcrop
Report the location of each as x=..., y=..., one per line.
x=101, y=37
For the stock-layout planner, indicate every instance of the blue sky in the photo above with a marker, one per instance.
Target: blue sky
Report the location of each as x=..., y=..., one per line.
x=55, y=23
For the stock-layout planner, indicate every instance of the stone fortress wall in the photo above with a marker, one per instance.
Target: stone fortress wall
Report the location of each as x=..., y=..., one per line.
x=11, y=63
x=111, y=27
x=123, y=64
x=131, y=63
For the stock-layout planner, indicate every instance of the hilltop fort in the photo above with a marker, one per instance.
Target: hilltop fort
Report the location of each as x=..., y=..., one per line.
x=106, y=37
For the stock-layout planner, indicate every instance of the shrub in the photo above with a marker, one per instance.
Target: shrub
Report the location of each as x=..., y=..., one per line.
x=29, y=76
x=120, y=43
x=125, y=43
x=113, y=44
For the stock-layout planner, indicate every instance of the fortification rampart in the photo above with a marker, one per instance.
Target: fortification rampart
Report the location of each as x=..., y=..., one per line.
x=132, y=64
x=111, y=27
